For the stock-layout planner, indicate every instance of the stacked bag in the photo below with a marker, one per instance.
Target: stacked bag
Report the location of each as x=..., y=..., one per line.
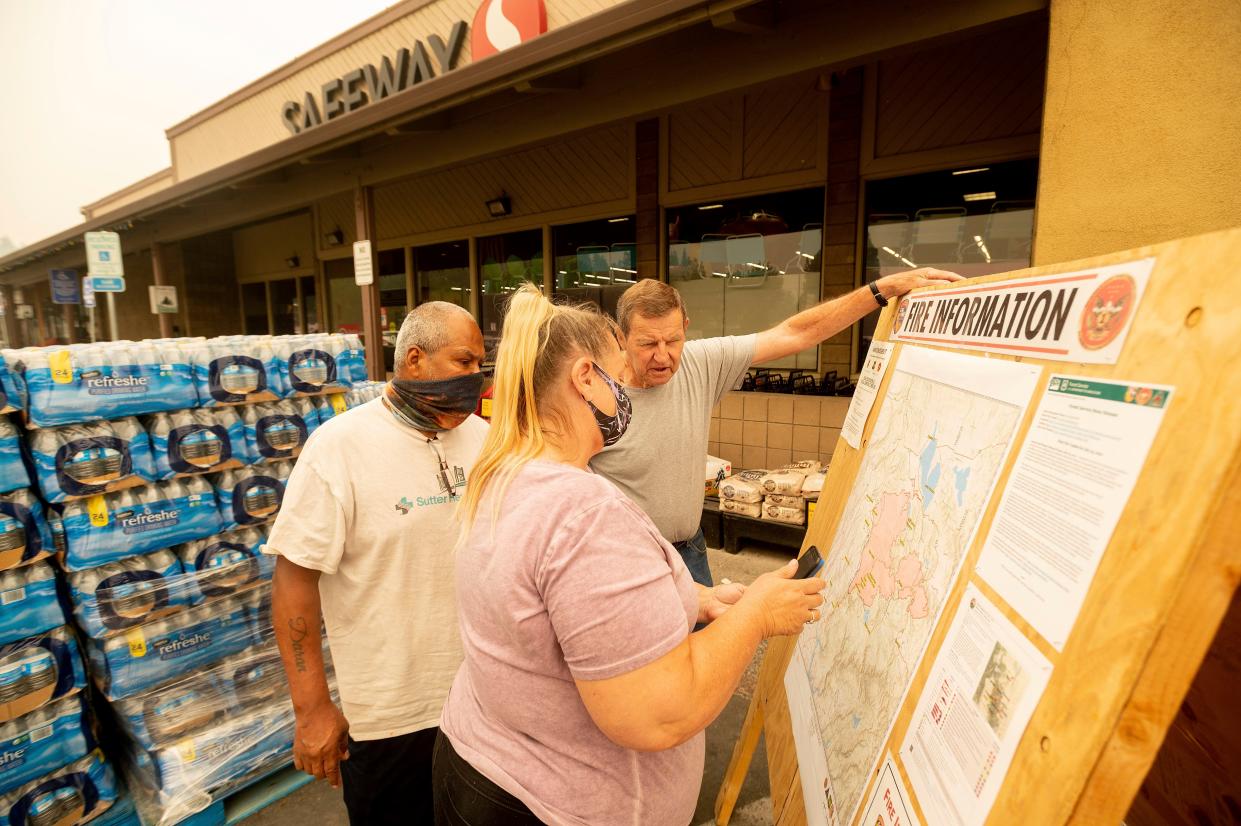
x=149, y=474
x=776, y=495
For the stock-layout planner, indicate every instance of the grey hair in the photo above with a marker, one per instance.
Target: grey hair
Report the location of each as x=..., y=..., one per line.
x=426, y=328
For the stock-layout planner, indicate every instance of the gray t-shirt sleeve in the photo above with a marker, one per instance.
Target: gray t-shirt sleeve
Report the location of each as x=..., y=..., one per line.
x=721, y=362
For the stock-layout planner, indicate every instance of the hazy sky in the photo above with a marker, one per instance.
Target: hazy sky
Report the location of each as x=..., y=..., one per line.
x=89, y=86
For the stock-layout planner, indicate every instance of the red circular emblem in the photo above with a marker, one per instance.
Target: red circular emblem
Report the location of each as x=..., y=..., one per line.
x=1107, y=312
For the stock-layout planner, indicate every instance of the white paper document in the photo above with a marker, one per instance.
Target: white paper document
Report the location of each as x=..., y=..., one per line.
x=867, y=388
x=811, y=762
x=889, y=805
x=1071, y=480
x=982, y=689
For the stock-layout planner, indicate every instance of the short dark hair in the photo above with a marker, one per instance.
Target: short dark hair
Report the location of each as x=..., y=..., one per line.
x=648, y=298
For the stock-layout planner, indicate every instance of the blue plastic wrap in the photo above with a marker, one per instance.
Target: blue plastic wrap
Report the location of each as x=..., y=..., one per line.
x=37, y=670
x=352, y=360
x=81, y=460
x=13, y=473
x=24, y=532
x=197, y=441
x=226, y=563
x=137, y=521
x=235, y=370
x=312, y=364
x=42, y=741
x=251, y=495
x=88, y=382
x=326, y=407
x=115, y=597
x=278, y=430
x=71, y=794
x=12, y=391
x=122, y=813
x=28, y=602
x=161, y=650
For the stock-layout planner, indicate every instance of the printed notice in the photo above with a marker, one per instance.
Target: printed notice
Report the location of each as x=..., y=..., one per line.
x=1071, y=480
x=867, y=388
x=816, y=788
x=982, y=690
x=889, y=805
x=1081, y=316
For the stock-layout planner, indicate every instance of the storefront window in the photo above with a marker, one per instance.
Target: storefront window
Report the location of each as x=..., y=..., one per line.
x=442, y=273
x=343, y=297
x=284, y=310
x=505, y=262
x=745, y=265
x=595, y=261
x=393, y=301
x=310, y=306
x=254, y=308
x=974, y=221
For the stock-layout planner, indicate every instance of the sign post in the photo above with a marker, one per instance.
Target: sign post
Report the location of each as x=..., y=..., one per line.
x=88, y=301
x=107, y=270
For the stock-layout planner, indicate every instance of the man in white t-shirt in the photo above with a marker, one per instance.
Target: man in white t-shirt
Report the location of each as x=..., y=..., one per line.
x=365, y=539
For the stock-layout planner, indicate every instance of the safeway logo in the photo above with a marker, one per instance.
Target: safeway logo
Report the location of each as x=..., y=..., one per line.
x=502, y=24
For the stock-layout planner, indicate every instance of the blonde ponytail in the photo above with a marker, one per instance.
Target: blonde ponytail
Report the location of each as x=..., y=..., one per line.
x=537, y=341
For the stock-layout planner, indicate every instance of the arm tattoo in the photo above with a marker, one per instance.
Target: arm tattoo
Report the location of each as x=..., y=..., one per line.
x=297, y=634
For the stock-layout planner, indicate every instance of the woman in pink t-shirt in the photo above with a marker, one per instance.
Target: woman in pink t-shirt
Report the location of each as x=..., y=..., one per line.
x=584, y=691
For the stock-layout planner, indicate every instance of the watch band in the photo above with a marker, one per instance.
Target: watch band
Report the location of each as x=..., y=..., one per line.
x=874, y=290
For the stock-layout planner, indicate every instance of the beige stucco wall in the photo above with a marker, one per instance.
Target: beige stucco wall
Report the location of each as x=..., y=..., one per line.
x=147, y=186
x=1142, y=128
x=262, y=249
x=254, y=122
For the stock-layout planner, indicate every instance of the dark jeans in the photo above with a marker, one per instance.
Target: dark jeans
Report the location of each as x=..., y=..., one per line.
x=465, y=797
x=694, y=552
x=388, y=781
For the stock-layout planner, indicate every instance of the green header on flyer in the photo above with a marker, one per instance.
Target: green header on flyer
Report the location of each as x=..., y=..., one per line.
x=1110, y=391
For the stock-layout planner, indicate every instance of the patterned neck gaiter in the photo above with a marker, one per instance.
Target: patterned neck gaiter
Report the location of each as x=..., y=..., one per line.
x=425, y=405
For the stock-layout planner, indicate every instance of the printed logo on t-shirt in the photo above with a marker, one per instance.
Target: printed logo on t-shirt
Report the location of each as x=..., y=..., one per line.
x=404, y=505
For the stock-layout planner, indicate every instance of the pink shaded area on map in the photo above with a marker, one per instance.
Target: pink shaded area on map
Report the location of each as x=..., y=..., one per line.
x=878, y=575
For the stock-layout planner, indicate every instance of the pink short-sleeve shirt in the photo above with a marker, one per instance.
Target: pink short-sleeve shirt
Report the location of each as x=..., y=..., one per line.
x=569, y=581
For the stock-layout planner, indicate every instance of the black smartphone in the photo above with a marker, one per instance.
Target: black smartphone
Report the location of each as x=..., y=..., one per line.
x=809, y=564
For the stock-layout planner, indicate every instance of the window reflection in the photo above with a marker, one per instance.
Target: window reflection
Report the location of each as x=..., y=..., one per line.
x=595, y=261
x=745, y=265
x=973, y=221
x=505, y=262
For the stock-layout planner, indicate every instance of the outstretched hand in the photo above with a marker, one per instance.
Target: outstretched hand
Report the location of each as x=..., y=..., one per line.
x=894, y=286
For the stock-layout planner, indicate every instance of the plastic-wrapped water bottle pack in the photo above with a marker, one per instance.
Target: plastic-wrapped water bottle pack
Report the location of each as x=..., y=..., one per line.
x=137, y=521
x=81, y=460
x=251, y=495
x=42, y=741
x=197, y=441
x=118, y=596
x=25, y=534
x=13, y=474
x=28, y=602
x=70, y=794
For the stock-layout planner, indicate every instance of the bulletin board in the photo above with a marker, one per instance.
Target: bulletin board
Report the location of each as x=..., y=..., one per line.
x=1038, y=527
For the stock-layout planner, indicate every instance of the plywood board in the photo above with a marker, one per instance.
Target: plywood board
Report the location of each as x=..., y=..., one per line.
x=1161, y=590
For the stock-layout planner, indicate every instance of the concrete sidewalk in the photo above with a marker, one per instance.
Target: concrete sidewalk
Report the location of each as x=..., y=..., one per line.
x=318, y=803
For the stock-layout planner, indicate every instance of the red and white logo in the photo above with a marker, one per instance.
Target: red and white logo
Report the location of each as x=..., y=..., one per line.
x=502, y=24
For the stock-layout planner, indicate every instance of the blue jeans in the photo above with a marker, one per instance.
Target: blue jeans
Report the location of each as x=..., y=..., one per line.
x=694, y=552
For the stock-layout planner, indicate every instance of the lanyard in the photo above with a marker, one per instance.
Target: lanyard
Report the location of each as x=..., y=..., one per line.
x=433, y=442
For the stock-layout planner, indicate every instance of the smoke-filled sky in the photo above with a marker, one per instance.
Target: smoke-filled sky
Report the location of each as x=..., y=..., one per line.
x=90, y=86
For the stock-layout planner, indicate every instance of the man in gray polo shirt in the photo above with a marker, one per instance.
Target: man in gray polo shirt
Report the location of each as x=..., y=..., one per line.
x=673, y=385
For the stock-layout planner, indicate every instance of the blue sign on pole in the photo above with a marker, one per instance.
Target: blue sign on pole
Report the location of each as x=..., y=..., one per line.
x=65, y=287
x=107, y=283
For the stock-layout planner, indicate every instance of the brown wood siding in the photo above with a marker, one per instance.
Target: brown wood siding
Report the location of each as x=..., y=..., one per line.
x=594, y=167
x=768, y=132
x=987, y=88
x=336, y=212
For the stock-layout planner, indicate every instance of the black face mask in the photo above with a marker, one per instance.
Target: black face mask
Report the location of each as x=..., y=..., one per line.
x=421, y=404
x=614, y=426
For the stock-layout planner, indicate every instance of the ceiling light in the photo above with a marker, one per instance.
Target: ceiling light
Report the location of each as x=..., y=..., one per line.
x=899, y=257
x=712, y=206
x=979, y=196
x=982, y=247
x=617, y=220
x=334, y=238
x=499, y=207
x=970, y=171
